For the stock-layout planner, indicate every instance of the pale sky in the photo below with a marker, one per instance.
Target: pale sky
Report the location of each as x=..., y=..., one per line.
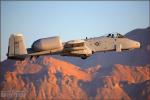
x=70, y=19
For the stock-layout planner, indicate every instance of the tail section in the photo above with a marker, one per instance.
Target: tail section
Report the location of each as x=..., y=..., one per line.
x=16, y=47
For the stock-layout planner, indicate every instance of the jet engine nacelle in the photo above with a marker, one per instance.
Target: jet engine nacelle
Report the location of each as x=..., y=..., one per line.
x=49, y=43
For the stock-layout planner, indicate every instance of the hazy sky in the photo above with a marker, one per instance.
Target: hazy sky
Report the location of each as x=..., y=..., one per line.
x=70, y=20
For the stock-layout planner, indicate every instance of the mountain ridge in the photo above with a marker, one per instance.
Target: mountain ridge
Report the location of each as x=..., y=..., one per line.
x=49, y=81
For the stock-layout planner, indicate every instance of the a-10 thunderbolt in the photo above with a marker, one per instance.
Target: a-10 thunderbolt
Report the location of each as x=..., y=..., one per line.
x=80, y=48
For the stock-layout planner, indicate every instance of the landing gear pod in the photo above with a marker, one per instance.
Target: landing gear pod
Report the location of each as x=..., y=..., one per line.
x=77, y=48
x=118, y=47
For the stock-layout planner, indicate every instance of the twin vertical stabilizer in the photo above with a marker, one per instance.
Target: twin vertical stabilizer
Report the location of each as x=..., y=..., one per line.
x=16, y=46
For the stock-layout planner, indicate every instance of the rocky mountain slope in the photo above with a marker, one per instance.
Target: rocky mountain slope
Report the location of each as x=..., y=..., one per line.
x=50, y=78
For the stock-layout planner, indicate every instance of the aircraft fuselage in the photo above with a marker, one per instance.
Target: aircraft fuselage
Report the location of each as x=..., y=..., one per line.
x=81, y=48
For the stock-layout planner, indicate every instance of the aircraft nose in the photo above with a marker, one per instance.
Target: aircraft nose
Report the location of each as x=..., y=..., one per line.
x=137, y=44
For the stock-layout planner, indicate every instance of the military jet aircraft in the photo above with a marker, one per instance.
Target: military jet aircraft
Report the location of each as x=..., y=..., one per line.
x=80, y=48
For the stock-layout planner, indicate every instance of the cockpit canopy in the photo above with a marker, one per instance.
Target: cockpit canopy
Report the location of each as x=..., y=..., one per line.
x=117, y=35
